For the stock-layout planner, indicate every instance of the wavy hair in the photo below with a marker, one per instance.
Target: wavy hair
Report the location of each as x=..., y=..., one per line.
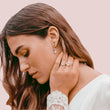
x=35, y=19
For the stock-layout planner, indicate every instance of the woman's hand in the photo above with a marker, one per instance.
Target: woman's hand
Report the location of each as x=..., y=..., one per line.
x=64, y=77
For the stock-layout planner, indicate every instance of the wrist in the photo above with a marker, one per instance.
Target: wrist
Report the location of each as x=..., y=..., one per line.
x=57, y=98
x=65, y=92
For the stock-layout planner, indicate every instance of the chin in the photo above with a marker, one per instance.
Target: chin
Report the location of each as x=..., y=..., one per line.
x=41, y=81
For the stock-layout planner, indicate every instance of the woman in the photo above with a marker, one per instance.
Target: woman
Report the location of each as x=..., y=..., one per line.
x=45, y=65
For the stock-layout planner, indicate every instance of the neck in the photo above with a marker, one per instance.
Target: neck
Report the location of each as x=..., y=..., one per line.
x=87, y=74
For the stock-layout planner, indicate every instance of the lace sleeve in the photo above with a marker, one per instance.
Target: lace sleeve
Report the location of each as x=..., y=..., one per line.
x=56, y=107
x=57, y=101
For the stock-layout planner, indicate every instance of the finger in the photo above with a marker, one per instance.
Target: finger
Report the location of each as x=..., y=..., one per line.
x=57, y=63
x=63, y=61
x=75, y=68
x=70, y=62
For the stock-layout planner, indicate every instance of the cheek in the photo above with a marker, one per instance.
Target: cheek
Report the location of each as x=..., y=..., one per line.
x=42, y=58
x=38, y=57
x=48, y=59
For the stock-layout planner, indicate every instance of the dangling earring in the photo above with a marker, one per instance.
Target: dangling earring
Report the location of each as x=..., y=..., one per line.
x=54, y=49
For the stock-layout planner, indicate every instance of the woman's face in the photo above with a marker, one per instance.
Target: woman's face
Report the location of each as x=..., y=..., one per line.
x=35, y=55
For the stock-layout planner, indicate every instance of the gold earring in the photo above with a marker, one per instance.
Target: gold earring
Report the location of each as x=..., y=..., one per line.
x=54, y=49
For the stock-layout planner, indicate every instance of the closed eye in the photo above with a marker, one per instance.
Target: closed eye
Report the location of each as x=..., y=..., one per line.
x=26, y=54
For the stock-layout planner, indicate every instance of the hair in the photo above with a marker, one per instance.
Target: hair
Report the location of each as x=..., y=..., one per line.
x=35, y=19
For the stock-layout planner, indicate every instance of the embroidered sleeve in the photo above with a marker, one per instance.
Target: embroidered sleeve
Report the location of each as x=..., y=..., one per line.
x=57, y=101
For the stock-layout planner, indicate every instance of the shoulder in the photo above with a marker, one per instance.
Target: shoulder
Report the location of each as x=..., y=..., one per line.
x=102, y=83
x=102, y=98
x=95, y=95
x=105, y=85
x=100, y=86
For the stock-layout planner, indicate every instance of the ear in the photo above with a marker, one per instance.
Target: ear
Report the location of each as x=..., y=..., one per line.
x=53, y=34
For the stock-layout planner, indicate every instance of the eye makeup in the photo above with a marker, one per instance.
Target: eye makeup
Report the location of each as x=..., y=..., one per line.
x=24, y=52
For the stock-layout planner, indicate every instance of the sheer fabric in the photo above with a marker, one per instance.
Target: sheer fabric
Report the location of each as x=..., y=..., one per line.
x=57, y=101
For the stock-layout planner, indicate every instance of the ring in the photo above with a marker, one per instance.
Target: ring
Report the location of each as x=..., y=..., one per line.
x=62, y=64
x=67, y=64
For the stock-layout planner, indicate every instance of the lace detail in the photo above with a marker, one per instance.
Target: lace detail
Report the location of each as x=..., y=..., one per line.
x=57, y=100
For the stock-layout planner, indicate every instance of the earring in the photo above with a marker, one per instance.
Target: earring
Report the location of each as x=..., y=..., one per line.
x=54, y=49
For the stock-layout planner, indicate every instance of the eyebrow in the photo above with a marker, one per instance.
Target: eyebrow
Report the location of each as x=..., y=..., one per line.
x=16, y=51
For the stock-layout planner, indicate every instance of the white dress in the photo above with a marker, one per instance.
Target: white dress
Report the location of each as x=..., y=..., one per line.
x=94, y=96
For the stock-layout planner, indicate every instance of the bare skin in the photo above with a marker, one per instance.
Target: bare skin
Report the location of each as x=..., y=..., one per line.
x=74, y=78
x=43, y=64
x=64, y=78
x=87, y=74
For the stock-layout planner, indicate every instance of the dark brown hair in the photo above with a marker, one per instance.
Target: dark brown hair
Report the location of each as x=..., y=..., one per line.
x=35, y=19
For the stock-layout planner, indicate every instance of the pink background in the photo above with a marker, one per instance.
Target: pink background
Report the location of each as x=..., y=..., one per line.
x=90, y=19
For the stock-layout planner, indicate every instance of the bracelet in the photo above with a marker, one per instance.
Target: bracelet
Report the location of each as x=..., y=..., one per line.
x=57, y=98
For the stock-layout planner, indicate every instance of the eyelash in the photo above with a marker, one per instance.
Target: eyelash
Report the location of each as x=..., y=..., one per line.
x=26, y=54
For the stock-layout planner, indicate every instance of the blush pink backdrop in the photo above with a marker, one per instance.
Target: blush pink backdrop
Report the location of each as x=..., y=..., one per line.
x=90, y=19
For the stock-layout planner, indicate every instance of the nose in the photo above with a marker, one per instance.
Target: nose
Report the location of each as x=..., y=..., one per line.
x=24, y=67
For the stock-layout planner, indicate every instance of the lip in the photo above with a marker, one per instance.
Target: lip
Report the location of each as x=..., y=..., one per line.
x=34, y=75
